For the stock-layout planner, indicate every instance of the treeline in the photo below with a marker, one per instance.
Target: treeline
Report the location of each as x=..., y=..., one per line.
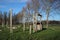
x=16, y=18
x=5, y=18
x=51, y=22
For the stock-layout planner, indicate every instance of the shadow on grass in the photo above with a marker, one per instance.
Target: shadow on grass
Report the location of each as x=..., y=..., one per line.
x=42, y=30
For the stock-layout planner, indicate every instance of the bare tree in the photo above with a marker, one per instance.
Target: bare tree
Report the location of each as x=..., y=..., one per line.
x=5, y=18
x=28, y=7
x=0, y=17
x=24, y=12
x=20, y=17
x=35, y=7
x=48, y=6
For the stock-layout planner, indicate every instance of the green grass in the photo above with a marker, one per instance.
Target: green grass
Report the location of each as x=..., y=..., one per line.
x=52, y=33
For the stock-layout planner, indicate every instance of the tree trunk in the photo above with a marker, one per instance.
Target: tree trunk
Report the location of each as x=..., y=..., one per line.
x=11, y=29
x=47, y=15
x=33, y=23
x=47, y=21
x=36, y=20
x=23, y=22
x=3, y=21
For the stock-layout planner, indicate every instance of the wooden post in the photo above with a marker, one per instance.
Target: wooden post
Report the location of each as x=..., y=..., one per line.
x=11, y=29
x=30, y=30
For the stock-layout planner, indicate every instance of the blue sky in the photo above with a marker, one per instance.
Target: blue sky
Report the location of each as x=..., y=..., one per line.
x=17, y=6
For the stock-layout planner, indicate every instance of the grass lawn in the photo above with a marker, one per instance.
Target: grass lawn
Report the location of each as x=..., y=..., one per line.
x=52, y=33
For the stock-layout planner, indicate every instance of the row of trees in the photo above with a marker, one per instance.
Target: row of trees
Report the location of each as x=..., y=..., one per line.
x=47, y=6
x=31, y=11
x=38, y=6
x=5, y=18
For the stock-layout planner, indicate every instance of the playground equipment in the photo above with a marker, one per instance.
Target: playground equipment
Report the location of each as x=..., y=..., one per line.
x=36, y=25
